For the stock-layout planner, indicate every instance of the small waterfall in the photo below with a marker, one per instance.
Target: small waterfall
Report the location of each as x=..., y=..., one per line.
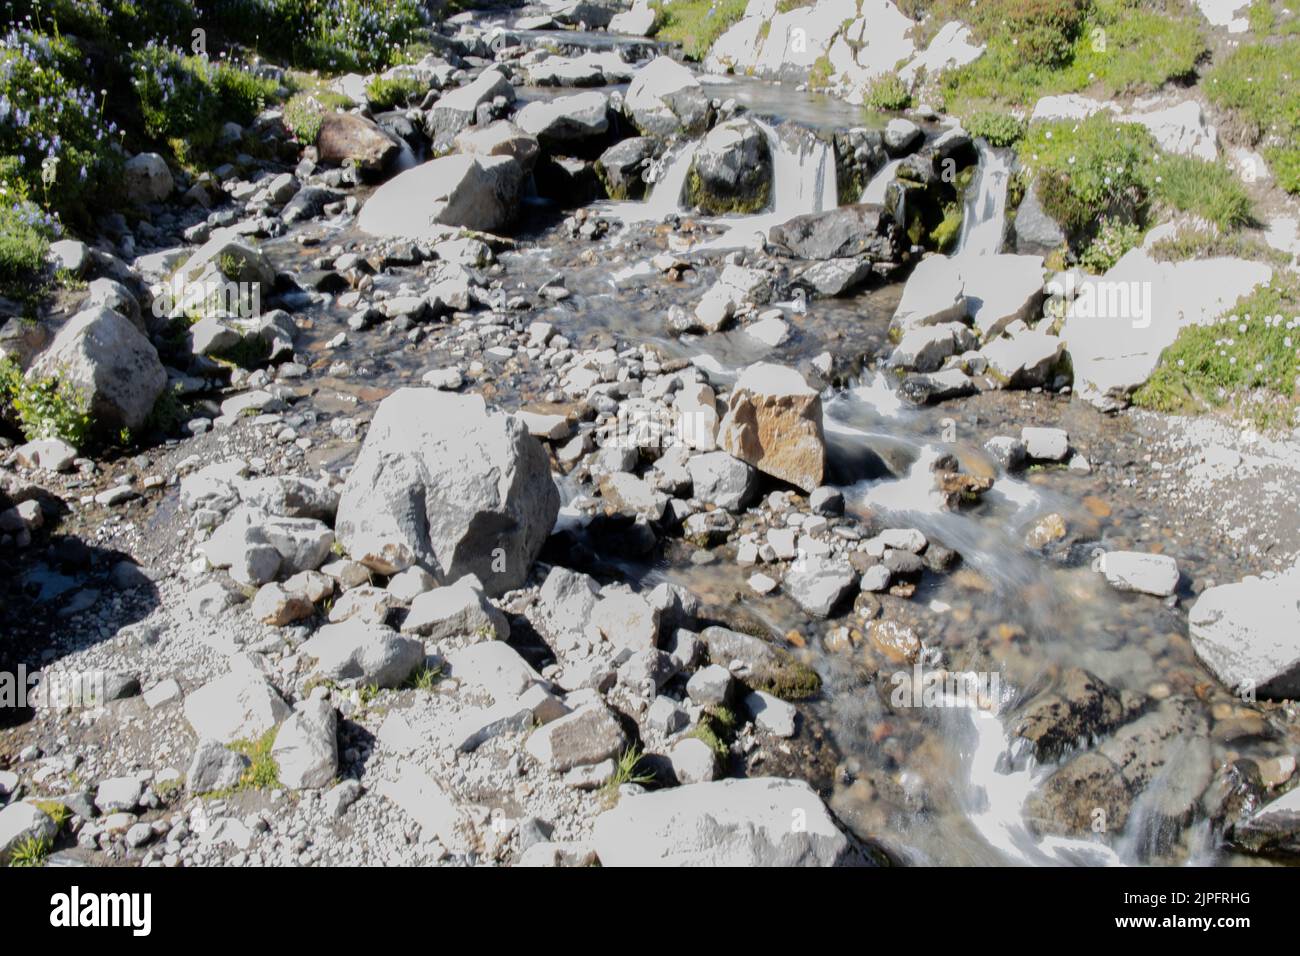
x=875, y=191
x=803, y=181
x=984, y=219
x=665, y=197
x=803, y=176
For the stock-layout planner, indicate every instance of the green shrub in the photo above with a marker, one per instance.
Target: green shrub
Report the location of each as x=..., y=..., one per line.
x=50, y=120
x=1089, y=170
x=996, y=128
x=185, y=100
x=304, y=112
x=393, y=93
x=1206, y=244
x=25, y=234
x=1033, y=49
x=1260, y=84
x=1245, y=363
x=1208, y=190
x=888, y=92
x=1114, y=238
x=44, y=407
x=335, y=35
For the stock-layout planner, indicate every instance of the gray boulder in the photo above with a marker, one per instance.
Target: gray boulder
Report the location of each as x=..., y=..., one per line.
x=731, y=170
x=473, y=191
x=366, y=652
x=443, y=483
x=306, y=745
x=844, y=232
x=102, y=355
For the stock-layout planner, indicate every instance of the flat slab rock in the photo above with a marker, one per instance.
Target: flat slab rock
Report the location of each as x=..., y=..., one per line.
x=762, y=821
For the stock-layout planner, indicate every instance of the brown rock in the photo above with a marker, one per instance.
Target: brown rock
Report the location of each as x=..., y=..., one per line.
x=346, y=138
x=774, y=422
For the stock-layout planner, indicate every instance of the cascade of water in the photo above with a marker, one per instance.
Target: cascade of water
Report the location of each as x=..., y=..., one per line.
x=985, y=216
x=665, y=196
x=875, y=191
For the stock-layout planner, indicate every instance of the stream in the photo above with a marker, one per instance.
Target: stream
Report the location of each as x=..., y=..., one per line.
x=933, y=785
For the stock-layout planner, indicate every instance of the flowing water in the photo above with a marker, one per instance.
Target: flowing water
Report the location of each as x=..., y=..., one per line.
x=932, y=785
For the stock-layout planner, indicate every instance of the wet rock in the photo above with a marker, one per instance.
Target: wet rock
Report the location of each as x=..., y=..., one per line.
x=665, y=97
x=1036, y=232
x=736, y=286
x=901, y=136
x=820, y=584
x=621, y=168
x=1274, y=829
x=1079, y=709
x=731, y=170
x=1248, y=634
x=348, y=139
x=774, y=422
x=723, y=823
x=442, y=483
x=840, y=233
x=1134, y=571
x=1162, y=746
x=101, y=354
x=366, y=652
x=477, y=192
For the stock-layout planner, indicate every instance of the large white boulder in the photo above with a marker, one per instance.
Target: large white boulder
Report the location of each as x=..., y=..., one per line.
x=665, y=97
x=761, y=821
x=473, y=191
x=445, y=484
x=1248, y=634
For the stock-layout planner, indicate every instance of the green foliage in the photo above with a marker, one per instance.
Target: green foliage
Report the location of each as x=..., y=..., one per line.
x=888, y=92
x=395, y=92
x=996, y=127
x=335, y=35
x=717, y=727
x=1206, y=244
x=56, y=811
x=625, y=772
x=1089, y=170
x=25, y=234
x=423, y=678
x=44, y=407
x=30, y=851
x=1246, y=363
x=1260, y=84
x=262, y=773
x=1061, y=46
x=1114, y=238
x=305, y=111
x=185, y=100
x=55, y=143
x=695, y=24
x=1208, y=190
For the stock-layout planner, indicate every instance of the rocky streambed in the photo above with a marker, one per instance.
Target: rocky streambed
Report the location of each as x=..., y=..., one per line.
x=616, y=478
